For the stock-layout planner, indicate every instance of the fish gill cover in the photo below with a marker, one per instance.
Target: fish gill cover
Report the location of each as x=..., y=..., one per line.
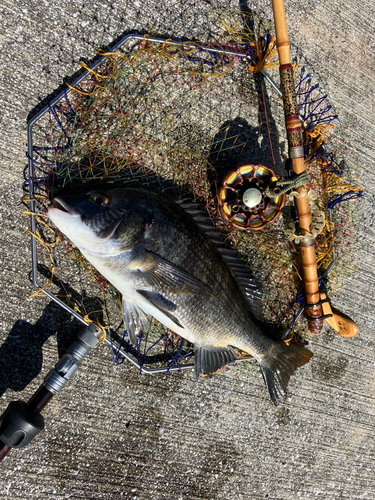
x=175, y=119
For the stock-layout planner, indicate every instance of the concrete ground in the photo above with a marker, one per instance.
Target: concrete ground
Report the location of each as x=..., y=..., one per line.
x=114, y=434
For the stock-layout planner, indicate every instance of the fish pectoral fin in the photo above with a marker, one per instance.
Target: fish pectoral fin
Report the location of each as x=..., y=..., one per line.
x=169, y=278
x=209, y=359
x=163, y=304
x=135, y=320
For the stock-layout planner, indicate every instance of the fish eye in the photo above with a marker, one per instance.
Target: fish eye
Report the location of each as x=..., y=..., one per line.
x=100, y=199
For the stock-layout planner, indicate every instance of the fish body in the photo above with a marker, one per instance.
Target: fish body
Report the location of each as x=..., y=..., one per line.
x=165, y=265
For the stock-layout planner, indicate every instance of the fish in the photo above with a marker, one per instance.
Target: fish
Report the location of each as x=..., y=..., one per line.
x=168, y=261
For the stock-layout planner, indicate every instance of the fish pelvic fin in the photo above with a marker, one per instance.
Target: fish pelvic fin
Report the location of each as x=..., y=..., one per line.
x=209, y=359
x=278, y=365
x=135, y=320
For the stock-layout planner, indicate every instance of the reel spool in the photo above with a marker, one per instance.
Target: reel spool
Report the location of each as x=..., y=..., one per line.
x=243, y=201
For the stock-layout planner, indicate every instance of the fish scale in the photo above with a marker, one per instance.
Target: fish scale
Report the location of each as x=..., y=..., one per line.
x=213, y=314
x=166, y=265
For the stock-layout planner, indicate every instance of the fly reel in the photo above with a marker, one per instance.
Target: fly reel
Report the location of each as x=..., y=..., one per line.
x=243, y=201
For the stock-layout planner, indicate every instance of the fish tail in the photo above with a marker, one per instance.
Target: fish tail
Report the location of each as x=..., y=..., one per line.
x=278, y=365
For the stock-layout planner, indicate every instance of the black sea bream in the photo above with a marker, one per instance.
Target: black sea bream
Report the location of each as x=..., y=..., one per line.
x=165, y=265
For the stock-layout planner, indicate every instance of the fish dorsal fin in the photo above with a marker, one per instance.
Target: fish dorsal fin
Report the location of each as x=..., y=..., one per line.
x=248, y=283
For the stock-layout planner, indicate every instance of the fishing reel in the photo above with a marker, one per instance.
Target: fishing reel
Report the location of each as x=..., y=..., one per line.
x=247, y=199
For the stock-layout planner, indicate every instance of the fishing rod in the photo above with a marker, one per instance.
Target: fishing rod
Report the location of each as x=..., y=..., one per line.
x=317, y=307
x=314, y=310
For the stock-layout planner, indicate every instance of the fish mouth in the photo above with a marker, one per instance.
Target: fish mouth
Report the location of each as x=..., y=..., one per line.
x=66, y=207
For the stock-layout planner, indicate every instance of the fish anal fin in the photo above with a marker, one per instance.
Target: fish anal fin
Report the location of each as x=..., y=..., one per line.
x=279, y=364
x=209, y=359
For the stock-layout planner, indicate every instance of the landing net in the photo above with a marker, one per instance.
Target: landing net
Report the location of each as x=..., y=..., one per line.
x=174, y=117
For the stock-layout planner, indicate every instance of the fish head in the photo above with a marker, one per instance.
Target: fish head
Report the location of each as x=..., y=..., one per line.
x=99, y=222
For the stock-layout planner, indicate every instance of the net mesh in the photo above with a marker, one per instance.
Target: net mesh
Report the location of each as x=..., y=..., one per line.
x=175, y=118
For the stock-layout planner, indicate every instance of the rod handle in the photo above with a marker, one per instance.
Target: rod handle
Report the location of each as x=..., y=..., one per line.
x=310, y=280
